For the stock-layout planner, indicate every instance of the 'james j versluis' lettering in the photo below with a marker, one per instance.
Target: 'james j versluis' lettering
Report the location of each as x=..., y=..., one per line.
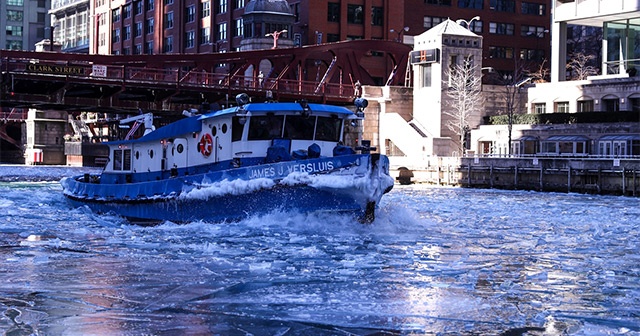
x=311, y=167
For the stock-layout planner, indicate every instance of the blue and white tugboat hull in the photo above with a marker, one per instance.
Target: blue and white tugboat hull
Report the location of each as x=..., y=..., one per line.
x=351, y=184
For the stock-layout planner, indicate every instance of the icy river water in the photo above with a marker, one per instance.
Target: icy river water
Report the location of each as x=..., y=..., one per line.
x=435, y=262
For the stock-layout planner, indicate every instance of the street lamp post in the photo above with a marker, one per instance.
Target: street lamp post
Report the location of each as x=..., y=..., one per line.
x=399, y=32
x=276, y=35
x=468, y=23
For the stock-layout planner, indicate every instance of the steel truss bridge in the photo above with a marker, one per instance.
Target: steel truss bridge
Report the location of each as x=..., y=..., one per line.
x=169, y=83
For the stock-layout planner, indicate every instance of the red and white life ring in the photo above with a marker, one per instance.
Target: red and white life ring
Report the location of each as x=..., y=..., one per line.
x=205, y=146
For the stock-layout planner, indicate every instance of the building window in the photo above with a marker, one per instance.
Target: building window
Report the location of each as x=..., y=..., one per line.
x=532, y=31
x=377, y=16
x=503, y=5
x=205, y=35
x=168, y=2
x=149, y=27
x=355, y=14
x=205, y=9
x=431, y=21
x=239, y=29
x=222, y=8
x=15, y=15
x=115, y=15
x=295, y=9
x=14, y=31
x=585, y=106
x=137, y=7
x=116, y=36
x=239, y=4
x=333, y=12
x=138, y=29
x=333, y=38
x=14, y=45
x=635, y=104
x=126, y=33
x=539, y=108
x=501, y=52
x=150, y=4
x=168, y=20
x=190, y=39
x=611, y=104
x=15, y=2
x=137, y=49
x=222, y=31
x=534, y=9
x=438, y=2
x=562, y=107
x=168, y=44
x=148, y=48
x=501, y=28
x=126, y=11
x=531, y=54
x=476, y=26
x=425, y=72
x=190, y=14
x=475, y=4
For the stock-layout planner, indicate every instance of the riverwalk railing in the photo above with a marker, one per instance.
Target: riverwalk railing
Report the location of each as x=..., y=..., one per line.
x=615, y=176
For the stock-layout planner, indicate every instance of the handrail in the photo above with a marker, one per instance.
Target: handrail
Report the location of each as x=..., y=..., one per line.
x=174, y=77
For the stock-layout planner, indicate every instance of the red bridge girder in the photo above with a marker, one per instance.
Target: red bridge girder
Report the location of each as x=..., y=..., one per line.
x=173, y=82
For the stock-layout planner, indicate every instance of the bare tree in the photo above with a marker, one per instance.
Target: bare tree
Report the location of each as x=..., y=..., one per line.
x=465, y=91
x=512, y=95
x=580, y=66
x=542, y=73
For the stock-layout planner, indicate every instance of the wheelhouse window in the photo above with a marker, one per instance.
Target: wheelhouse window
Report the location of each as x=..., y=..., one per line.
x=299, y=128
x=122, y=159
x=328, y=129
x=237, y=127
x=265, y=127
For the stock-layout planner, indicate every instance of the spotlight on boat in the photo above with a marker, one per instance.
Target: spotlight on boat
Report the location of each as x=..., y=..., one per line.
x=306, y=111
x=242, y=99
x=361, y=104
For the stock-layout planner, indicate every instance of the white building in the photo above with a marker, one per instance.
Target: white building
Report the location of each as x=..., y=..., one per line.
x=70, y=20
x=614, y=90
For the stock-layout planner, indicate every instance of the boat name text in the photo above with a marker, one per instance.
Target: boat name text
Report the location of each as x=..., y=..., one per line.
x=312, y=167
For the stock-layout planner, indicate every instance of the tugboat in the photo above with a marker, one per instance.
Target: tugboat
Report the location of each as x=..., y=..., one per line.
x=226, y=165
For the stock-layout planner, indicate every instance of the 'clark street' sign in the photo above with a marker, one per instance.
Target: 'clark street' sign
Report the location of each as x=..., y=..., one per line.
x=56, y=69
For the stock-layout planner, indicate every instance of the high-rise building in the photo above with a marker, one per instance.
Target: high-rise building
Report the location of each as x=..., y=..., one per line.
x=24, y=23
x=515, y=33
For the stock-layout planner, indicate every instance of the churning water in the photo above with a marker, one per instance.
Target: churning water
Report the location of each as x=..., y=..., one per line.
x=435, y=261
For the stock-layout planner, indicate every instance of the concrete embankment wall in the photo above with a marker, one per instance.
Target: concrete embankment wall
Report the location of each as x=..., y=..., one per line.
x=584, y=175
